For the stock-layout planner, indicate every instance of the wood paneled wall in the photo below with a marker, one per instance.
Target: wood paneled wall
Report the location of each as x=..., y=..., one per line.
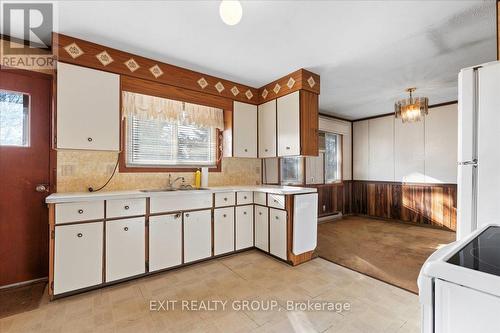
x=426, y=204
x=334, y=198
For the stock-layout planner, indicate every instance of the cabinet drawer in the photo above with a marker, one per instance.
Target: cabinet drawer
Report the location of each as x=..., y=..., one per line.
x=125, y=248
x=79, y=211
x=244, y=198
x=260, y=198
x=77, y=256
x=276, y=201
x=224, y=199
x=180, y=201
x=223, y=230
x=125, y=207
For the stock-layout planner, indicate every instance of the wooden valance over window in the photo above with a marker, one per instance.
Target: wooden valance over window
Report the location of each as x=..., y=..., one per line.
x=151, y=107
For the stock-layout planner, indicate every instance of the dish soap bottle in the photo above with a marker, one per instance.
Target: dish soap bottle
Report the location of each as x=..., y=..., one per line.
x=197, y=179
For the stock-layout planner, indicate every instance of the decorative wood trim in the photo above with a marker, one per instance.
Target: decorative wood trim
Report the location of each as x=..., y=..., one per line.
x=309, y=123
x=84, y=53
x=324, y=115
x=52, y=231
x=298, y=80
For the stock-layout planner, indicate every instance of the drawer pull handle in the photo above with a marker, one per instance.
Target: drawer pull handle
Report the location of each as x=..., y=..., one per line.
x=245, y=197
x=176, y=216
x=277, y=217
x=224, y=215
x=246, y=150
x=80, y=211
x=287, y=148
x=275, y=200
x=260, y=213
x=89, y=139
x=225, y=199
x=126, y=228
x=79, y=235
x=266, y=150
x=244, y=213
x=187, y=215
x=126, y=207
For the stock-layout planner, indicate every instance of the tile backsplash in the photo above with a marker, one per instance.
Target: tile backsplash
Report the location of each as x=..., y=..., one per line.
x=77, y=170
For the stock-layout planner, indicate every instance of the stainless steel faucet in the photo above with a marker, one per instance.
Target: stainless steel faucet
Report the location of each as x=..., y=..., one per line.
x=171, y=183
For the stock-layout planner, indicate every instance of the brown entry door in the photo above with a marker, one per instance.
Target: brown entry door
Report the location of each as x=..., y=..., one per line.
x=24, y=172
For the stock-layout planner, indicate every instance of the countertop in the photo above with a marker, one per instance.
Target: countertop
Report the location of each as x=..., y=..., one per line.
x=108, y=195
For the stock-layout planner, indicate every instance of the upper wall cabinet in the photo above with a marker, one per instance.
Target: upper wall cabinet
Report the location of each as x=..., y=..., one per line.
x=267, y=129
x=88, y=112
x=297, y=124
x=244, y=130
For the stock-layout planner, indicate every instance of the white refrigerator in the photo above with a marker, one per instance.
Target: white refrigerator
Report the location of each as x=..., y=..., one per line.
x=478, y=197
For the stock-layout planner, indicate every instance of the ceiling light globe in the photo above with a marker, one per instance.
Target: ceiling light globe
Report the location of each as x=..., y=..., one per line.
x=230, y=11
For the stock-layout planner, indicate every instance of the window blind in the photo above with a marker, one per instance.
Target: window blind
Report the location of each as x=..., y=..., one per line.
x=155, y=142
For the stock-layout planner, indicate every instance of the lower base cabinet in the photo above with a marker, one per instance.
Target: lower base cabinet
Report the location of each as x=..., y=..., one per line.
x=223, y=230
x=77, y=256
x=197, y=235
x=244, y=227
x=262, y=228
x=165, y=241
x=277, y=233
x=125, y=248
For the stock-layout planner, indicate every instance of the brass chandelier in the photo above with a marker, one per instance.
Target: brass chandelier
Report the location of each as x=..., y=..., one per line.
x=411, y=109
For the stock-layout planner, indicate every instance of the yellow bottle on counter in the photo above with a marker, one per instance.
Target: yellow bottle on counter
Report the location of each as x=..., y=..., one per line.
x=197, y=179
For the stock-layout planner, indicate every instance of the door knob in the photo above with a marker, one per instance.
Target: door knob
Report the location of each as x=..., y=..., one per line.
x=42, y=188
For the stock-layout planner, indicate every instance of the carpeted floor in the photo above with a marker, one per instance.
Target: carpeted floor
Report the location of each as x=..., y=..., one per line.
x=21, y=299
x=389, y=251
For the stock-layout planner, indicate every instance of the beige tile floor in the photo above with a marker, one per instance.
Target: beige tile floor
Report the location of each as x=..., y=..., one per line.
x=375, y=306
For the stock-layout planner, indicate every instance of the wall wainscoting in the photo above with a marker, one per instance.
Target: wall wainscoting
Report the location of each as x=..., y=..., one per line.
x=426, y=204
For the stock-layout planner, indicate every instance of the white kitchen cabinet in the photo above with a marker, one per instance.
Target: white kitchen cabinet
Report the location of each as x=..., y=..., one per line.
x=260, y=198
x=223, y=230
x=224, y=199
x=276, y=200
x=244, y=198
x=69, y=212
x=315, y=169
x=88, y=103
x=197, y=235
x=77, y=256
x=244, y=130
x=165, y=241
x=125, y=248
x=381, y=149
x=277, y=233
x=288, y=124
x=360, y=150
x=262, y=228
x=244, y=227
x=180, y=201
x=125, y=207
x=267, y=129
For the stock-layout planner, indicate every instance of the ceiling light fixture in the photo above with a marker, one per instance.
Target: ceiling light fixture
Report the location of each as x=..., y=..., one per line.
x=230, y=11
x=411, y=109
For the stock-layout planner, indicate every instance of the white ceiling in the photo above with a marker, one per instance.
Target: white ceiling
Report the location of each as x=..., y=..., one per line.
x=367, y=52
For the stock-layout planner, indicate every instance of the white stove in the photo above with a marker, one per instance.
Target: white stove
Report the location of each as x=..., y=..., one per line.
x=459, y=285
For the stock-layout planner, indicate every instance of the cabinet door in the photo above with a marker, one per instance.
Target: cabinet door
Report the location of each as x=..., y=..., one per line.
x=125, y=248
x=262, y=228
x=77, y=256
x=314, y=169
x=244, y=227
x=288, y=123
x=165, y=241
x=197, y=235
x=87, y=108
x=244, y=130
x=277, y=233
x=223, y=230
x=267, y=129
